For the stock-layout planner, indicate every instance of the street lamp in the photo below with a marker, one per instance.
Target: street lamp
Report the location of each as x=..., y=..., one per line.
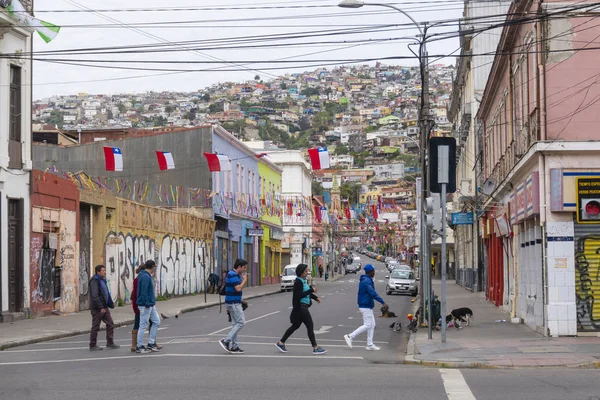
x=424, y=130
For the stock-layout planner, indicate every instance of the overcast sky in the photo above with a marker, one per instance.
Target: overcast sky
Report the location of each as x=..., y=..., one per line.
x=209, y=28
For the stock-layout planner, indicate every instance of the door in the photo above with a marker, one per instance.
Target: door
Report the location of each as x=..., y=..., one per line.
x=15, y=259
x=85, y=247
x=249, y=256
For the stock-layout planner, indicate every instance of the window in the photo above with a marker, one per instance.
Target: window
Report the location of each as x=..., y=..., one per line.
x=14, y=125
x=243, y=178
x=216, y=181
x=237, y=173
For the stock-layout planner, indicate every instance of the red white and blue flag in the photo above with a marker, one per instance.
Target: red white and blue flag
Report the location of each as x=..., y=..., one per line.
x=319, y=158
x=165, y=160
x=218, y=162
x=113, y=158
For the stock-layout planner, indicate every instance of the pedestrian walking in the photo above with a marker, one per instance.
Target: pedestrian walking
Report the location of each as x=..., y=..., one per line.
x=100, y=306
x=327, y=271
x=366, y=297
x=320, y=270
x=136, y=310
x=301, y=302
x=235, y=281
x=146, y=301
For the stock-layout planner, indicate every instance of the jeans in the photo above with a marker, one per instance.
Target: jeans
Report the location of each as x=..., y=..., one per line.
x=237, y=323
x=368, y=325
x=148, y=314
x=97, y=318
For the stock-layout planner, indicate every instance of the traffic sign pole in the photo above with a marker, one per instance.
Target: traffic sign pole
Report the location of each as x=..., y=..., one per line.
x=443, y=166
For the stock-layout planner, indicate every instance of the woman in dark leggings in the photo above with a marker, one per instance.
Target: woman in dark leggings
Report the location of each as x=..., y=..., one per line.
x=301, y=301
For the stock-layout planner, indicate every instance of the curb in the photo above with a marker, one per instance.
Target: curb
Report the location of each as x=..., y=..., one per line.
x=78, y=332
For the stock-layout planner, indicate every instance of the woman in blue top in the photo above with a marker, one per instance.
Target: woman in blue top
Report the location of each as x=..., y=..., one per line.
x=301, y=301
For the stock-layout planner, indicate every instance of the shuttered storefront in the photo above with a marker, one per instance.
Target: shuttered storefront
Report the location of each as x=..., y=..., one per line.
x=587, y=277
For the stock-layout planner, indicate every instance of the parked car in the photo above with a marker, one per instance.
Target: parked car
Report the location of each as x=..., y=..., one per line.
x=392, y=265
x=403, y=282
x=355, y=266
x=288, y=276
x=388, y=259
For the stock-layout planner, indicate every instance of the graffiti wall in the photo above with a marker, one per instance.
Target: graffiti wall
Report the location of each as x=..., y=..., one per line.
x=587, y=283
x=179, y=244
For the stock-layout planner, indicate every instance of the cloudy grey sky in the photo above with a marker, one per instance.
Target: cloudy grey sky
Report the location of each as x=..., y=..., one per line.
x=322, y=34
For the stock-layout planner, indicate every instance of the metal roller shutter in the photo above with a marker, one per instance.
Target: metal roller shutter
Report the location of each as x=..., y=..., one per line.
x=587, y=277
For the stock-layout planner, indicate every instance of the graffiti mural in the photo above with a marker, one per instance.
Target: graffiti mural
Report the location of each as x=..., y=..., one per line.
x=587, y=283
x=181, y=263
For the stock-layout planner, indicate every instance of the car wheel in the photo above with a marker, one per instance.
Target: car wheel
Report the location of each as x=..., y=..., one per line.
x=388, y=291
x=414, y=294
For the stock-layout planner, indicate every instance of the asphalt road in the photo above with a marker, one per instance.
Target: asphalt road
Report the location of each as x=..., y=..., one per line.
x=193, y=365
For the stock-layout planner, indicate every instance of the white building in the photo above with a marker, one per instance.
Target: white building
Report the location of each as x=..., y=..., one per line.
x=342, y=160
x=297, y=216
x=15, y=166
x=388, y=171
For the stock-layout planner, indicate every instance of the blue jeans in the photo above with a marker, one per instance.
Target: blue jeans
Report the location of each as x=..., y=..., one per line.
x=148, y=314
x=237, y=323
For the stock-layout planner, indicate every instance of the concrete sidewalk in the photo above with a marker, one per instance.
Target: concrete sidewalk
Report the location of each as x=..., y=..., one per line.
x=490, y=344
x=41, y=329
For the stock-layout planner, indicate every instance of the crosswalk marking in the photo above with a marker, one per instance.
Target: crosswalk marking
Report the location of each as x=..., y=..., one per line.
x=455, y=385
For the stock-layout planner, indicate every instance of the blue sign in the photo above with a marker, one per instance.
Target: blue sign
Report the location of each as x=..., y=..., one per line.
x=463, y=218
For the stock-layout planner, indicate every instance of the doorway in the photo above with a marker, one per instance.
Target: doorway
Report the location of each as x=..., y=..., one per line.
x=15, y=258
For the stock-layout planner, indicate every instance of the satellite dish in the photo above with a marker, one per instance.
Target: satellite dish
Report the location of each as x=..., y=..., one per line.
x=489, y=186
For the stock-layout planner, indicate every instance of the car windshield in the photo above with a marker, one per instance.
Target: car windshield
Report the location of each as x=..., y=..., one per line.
x=357, y=259
x=402, y=275
x=289, y=271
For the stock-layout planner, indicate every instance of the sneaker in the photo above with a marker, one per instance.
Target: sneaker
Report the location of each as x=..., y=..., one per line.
x=237, y=350
x=158, y=346
x=319, y=350
x=348, y=340
x=95, y=348
x=372, y=348
x=112, y=346
x=225, y=345
x=153, y=347
x=281, y=347
x=142, y=350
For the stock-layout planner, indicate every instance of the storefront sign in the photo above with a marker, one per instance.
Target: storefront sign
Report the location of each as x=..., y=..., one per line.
x=256, y=232
x=525, y=200
x=460, y=218
x=588, y=200
x=276, y=234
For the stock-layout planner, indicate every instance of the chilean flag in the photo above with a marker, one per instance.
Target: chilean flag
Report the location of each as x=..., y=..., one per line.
x=319, y=158
x=165, y=160
x=113, y=158
x=218, y=162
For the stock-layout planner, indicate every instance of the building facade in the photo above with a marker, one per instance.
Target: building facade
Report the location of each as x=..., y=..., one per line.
x=470, y=80
x=15, y=166
x=296, y=191
x=537, y=140
x=270, y=199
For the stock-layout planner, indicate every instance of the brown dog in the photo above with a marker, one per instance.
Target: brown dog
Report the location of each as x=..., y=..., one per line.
x=386, y=313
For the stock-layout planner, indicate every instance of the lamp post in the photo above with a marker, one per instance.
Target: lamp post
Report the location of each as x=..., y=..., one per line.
x=424, y=131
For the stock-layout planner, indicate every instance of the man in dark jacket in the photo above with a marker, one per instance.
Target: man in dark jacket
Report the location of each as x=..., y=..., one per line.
x=100, y=306
x=146, y=302
x=366, y=297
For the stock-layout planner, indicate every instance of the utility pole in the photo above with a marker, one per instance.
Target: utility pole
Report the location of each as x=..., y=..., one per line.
x=424, y=131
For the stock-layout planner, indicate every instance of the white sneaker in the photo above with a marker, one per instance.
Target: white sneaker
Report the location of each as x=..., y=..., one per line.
x=372, y=348
x=348, y=340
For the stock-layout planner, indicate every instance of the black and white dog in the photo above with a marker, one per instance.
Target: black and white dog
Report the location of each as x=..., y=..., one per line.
x=463, y=314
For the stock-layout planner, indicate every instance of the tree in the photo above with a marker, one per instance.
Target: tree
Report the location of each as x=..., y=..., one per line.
x=310, y=92
x=283, y=86
x=370, y=129
x=191, y=115
x=215, y=107
x=206, y=97
x=169, y=109
x=317, y=188
x=341, y=150
x=256, y=77
x=56, y=119
x=121, y=108
x=350, y=190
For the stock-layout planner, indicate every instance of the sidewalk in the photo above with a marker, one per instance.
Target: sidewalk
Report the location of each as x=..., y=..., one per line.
x=41, y=329
x=487, y=344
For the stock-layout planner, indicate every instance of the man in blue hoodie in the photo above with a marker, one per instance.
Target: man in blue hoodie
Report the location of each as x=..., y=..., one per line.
x=366, y=297
x=146, y=302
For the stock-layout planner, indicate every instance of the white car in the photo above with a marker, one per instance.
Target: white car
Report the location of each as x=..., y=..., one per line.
x=392, y=265
x=288, y=277
x=403, y=282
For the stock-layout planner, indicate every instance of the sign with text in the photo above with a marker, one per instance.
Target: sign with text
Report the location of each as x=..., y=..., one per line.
x=463, y=218
x=588, y=200
x=256, y=232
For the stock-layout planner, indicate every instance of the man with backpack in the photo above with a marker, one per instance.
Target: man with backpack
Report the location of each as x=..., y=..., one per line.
x=235, y=281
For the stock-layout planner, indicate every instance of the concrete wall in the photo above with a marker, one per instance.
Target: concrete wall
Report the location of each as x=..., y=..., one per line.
x=179, y=243
x=140, y=166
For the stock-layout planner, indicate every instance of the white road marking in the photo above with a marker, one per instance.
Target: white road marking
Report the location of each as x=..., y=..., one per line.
x=455, y=385
x=249, y=320
x=350, y=317
x=173, y=355
x=323, y=329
